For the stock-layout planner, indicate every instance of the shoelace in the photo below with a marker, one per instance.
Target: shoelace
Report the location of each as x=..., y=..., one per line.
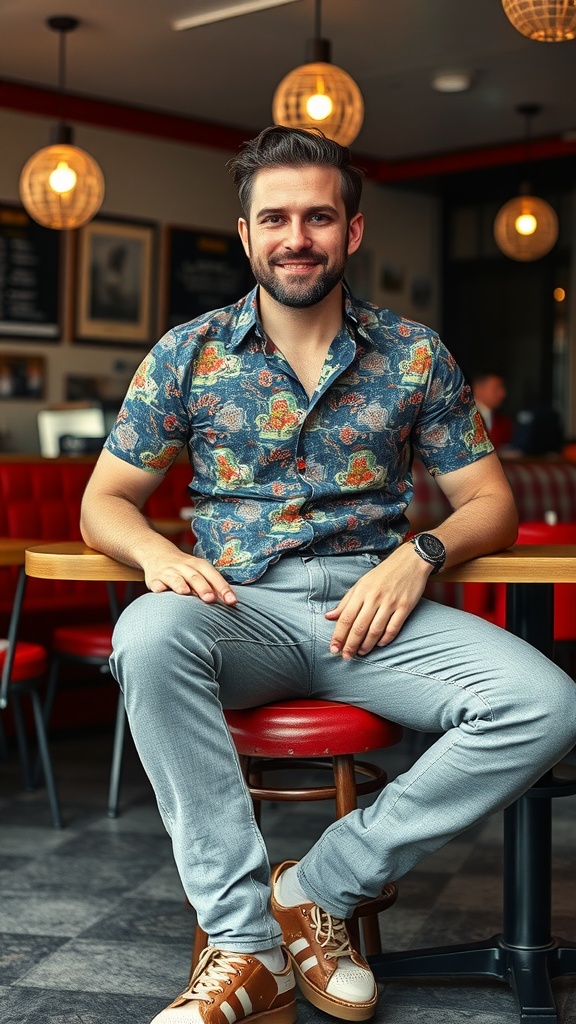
x=213, y=970
x=331, y=933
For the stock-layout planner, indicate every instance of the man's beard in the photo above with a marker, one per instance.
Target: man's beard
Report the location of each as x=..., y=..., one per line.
x=299, y=294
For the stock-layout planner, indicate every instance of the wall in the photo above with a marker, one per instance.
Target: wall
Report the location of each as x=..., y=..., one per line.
x=178, y=184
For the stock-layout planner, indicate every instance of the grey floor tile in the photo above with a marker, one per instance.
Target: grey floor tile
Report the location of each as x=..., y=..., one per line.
x=77, y=876
x=164, y=884
x=20, y=953
x=19, y=840
x=421, y=890
x=118, y=846
x=26, y=914
x=46, y=1006
x=137, y=920
x=145, y=968
x=142, y=818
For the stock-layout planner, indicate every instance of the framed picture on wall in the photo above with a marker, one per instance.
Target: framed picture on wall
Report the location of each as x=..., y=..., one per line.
x=116, y=281
x=206, y=270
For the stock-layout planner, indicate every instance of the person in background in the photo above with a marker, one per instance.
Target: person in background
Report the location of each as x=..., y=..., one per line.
x=301, y=408
x=489, y=390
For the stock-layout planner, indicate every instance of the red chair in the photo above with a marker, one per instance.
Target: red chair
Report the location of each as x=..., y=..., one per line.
x=315, y=734
x=489, y=599
x=23, y=667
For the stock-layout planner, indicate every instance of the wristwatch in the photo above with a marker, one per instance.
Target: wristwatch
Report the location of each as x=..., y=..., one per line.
x=430, y=549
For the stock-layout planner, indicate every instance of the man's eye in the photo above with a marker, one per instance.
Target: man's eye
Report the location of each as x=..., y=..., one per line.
x=320, y=217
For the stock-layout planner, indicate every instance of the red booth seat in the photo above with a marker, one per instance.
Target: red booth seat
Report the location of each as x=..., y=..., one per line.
x=40, y=499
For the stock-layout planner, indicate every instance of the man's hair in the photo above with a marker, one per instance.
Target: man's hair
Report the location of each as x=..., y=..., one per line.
x=278, y=146
x=479, y=376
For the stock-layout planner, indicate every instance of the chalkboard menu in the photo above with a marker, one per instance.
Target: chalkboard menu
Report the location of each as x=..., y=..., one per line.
x=206, y=270
x=29, y=276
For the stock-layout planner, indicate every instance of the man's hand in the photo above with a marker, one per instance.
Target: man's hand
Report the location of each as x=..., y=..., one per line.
x=186, y=574
x=374, y=610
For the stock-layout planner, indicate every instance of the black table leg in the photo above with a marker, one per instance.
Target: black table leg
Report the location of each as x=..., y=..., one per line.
x=525, y=955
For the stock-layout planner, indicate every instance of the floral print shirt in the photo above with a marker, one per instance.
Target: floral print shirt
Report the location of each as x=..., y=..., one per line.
x=276, y=472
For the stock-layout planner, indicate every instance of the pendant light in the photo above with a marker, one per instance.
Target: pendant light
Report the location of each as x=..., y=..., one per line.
x=62, y=186
x=319, y=94
x=546, y=21
x=526, y=227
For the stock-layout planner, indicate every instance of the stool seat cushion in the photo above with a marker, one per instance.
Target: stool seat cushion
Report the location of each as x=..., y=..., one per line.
x=94, y=641
x=29, y=662
x=309, y=728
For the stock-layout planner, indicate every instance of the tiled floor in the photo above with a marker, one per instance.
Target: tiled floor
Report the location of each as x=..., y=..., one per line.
x=94, y=928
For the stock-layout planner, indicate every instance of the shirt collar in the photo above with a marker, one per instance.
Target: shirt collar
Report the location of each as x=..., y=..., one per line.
x=248, y=319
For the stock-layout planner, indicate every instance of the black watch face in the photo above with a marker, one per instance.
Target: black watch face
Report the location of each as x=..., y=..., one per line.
x=431, y=546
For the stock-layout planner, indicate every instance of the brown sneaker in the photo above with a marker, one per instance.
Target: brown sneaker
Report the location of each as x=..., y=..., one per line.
x=228, y=987
x=329, y=971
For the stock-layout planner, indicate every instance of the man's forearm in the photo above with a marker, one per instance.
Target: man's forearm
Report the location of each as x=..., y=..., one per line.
x=485, y=524
x=116, y=526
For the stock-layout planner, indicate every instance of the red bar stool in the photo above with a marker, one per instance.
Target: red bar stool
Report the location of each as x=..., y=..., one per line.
x=305, y=734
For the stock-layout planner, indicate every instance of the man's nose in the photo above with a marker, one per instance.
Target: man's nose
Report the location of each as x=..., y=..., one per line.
x=298, y=236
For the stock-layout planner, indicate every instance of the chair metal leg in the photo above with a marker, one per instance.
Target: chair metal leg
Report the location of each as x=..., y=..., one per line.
x=47, y=708
x=3, y=744
x=45, y=759
x=117, y=754
x=22, y=742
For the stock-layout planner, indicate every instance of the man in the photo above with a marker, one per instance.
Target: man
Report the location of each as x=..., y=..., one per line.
x=489, y=392
x=300, y=408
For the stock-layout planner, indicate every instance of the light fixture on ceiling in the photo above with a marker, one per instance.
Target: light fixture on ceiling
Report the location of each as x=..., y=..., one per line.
x=452, y=81
x=319, y=94
x=61, y=186
x=526, y=227
x=546, y=21
x=231, y=10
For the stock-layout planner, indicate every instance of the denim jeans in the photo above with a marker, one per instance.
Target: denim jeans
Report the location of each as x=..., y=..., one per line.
x=506, y=715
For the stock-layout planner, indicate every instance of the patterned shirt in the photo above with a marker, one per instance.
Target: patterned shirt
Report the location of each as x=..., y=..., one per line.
x=274, y=471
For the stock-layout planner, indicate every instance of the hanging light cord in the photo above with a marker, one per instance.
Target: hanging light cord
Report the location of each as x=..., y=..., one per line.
x=318, y=20
x=61, y=73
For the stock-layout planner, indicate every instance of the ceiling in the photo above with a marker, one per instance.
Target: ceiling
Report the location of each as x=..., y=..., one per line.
x=226, y=72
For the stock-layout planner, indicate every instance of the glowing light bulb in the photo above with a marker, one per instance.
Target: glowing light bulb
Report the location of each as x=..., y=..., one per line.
x=319, y=106
x=526, y=224
x=63, y=178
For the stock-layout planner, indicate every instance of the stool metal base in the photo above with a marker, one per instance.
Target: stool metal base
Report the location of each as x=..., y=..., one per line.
x=527, y=971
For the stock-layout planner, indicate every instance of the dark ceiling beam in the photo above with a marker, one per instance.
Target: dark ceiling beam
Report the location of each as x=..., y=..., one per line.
x=104, y=114
x=444, y=164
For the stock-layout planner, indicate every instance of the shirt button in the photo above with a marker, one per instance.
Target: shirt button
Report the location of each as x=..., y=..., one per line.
x=301, y=465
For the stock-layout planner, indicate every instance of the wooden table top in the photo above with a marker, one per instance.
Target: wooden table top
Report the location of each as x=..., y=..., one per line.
x=13, y=549
x=528, y=563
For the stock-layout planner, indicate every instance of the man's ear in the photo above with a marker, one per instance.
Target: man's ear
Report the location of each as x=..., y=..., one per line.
x=355, y=232
x=244, y=232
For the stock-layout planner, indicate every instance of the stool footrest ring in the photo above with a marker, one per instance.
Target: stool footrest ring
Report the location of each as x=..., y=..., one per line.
x=376, y=778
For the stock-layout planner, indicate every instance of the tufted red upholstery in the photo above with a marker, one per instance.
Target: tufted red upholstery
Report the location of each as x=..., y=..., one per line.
x=29, y=662
x=309, y=728
x=40, y=499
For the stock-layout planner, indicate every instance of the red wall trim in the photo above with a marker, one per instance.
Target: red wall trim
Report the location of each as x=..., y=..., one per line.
x=103, y=114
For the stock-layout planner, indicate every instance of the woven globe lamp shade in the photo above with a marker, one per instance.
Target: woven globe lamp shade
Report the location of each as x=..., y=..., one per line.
x=546, y=21
x=61, y=187
x=526, y=228
x=320, y=95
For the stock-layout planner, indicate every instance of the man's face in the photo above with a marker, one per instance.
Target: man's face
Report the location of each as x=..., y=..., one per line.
x=298, y=239
x=491, y=391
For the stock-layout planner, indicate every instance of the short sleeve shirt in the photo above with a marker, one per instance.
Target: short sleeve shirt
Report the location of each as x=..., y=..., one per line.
x=275, y=472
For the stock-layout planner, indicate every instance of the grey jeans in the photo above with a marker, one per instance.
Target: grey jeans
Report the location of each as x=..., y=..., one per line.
x=505, y=712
